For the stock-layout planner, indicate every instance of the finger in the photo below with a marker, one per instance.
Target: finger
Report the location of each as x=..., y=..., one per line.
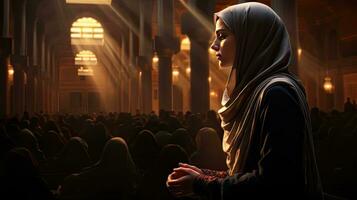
x=184, y=165
x=177, y=181
x=175, y=175
x=172, y=183
x=185, y=170
x=189, y=166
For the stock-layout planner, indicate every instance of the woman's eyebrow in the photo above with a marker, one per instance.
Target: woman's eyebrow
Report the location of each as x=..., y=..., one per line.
x=221, y=30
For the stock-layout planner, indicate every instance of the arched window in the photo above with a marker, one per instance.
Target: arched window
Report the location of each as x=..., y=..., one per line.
x=105, y=2
x=87, y=31
x=85, y=57
x=185, y=44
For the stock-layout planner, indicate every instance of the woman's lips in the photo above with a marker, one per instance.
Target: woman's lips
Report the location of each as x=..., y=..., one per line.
x=219, y=56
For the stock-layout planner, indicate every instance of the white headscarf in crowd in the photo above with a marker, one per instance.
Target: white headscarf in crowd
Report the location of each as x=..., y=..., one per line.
x=263, y=55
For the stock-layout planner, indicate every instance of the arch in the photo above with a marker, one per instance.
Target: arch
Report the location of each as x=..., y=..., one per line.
x=85, y=57
x=87, y=31
x=185, y=44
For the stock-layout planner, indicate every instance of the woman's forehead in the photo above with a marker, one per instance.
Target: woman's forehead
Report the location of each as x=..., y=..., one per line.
x=220, y=24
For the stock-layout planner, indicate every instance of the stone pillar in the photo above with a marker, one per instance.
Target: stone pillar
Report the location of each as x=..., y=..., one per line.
x=40, y=79
x=166, y=44
x=35, y=44
x=6, y=18
x=121, y=94
x=339, y=92
x=5, y=51
x=145, y=55
x=134, y=92
x=35, y=90
x=134, y=75
x=35, y=65
x=18, y=88
x=30, y=45
x=49, y=79
x=54, y=82
x=30, y=92
x=19, y=60
x=199, y=39
x=23, y=28
x=287, y=10
x=125, y=82
x=126, y=96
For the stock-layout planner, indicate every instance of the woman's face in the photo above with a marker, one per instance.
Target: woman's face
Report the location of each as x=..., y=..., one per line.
x=224, y=45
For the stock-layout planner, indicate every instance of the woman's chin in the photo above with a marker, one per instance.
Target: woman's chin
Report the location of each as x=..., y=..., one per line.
x=223, y=65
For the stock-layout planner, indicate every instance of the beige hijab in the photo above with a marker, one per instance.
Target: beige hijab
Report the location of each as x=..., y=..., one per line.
x=263, y=54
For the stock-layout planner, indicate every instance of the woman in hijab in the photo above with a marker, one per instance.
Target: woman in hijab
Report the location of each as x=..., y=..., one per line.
x=112, y=177
x=153, y=184
x=267, y=130
x=74, y=156
x=183, y=138
x=20, y=177
x=145, y=151
x=28, y=140
x=209, y=154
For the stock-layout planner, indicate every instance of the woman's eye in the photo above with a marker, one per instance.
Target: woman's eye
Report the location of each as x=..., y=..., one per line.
x=221, y=36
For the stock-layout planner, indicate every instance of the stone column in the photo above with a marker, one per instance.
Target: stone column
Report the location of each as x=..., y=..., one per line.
x=30, y=93
x=134, y=75
x=5, y=51
x=35, y=90
x=166, y=44
x=40, y=69
x=19, y=60
x=125, y=82
x=18, y=88
x=32, y=26
x=49, y=79
x=287, y=10
x=145, y=55
x=199, y=38
x=36, y=47
x=6, y=18
x=54, y=82
x=23, y=28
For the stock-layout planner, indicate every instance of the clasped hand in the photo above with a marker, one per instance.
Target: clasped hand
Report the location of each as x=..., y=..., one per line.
x=180, y=181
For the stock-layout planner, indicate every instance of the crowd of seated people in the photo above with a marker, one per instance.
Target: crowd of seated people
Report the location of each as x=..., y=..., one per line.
x=124, y=156
x=103, y=156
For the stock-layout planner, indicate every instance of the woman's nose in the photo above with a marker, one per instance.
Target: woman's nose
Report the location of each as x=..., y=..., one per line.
x=215, y=46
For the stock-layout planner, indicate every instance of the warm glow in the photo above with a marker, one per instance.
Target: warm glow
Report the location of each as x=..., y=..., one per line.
x=209, y=79
x=140, y=73
x=87, y=30
x=213, y=94
x=175, y=72
x=103, y=2
x=185, y=44
x=211, y=51
x=299, y=51
x=85, y=57
x=155, y=59
x=188, y=71
x=328, y=85
x=11, y=72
